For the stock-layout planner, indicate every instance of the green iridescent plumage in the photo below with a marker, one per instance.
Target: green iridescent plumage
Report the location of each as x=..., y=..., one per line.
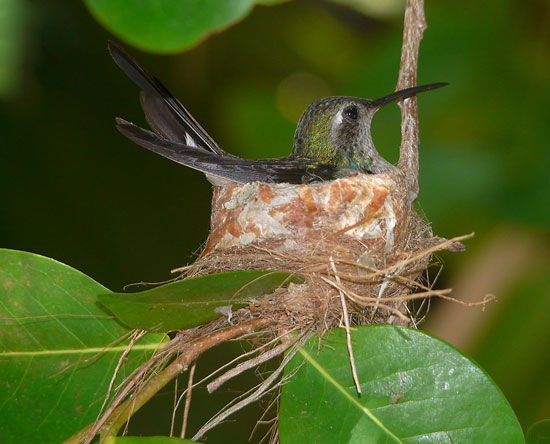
x=336, y=131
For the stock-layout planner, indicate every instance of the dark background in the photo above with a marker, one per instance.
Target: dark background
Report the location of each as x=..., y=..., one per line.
x=72, y=188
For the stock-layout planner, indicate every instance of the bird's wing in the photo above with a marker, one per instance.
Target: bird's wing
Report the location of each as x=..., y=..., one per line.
x=164, y=112
x=283, y=170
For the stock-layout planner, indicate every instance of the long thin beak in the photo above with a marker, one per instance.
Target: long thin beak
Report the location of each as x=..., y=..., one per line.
x=378, y=103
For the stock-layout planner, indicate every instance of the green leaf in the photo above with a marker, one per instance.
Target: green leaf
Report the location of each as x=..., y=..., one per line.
x=147, y=440
x=190, y=302
x=56, y=352
x=539, y=432
x=12, y=15
x=375, y=8
x=416, y=389
x=168, y=26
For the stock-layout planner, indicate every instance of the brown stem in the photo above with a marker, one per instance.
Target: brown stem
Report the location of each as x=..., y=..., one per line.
x=259, y=391
x=415, y=24
x=124, y=411
x=188, y=400
x=251, y=363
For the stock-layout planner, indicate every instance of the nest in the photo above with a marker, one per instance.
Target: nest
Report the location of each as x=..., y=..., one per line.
x=358, y=242
x=360, y=246
x=358, y=236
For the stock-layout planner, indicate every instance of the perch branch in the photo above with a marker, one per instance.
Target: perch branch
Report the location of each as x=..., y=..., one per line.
x=414, y=26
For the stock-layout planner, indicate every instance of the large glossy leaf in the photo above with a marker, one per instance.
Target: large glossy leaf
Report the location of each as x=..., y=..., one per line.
x=168, y=25
x=55, y=355
x=416, y=389
x=190, y=302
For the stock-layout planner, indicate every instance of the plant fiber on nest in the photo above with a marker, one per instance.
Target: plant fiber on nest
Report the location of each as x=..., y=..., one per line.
x=359, y=235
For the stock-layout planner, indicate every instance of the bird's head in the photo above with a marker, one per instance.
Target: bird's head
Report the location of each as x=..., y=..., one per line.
x=336, y=131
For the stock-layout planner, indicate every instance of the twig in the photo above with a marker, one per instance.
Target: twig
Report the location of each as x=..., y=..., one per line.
x=356, y=298
x=253, y=362
x=219, y=369
x=414, y=26
x=180, y=269
x=238, y=358
x=256, y=394
x=211, y=375
x=175, y=409
x=136, y=336
x=261, y=421
x=188, y=399
x=348, y=332
x=385, y=283
x=402, y=263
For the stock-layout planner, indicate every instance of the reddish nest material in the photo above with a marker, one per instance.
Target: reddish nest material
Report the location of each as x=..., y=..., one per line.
x=357, y=235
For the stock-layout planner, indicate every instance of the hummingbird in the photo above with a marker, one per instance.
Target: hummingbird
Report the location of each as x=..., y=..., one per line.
x=332, y=139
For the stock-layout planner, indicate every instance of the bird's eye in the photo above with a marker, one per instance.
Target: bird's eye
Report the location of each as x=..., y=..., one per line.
x=351, y=112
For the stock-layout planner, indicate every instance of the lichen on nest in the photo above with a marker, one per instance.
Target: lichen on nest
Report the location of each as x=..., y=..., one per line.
x=358, y=235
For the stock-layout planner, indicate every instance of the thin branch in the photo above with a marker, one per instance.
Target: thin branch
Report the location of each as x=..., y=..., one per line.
x=258, y=392
x=356, y=298
x=414, y=26
x=385, y=283
x=348, y=331
x=253, y=362
x=238, y=358
x=175, y=409
x=402, y=263
x=188, y=399
x=136, y=336
x=219, y=369
x=117, y=417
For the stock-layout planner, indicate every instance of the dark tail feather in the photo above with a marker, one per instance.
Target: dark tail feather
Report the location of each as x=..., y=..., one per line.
x=235, y=169
x=163, y=110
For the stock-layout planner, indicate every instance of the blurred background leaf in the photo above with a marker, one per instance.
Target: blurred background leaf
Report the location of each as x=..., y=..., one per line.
x=375, y=8
x=167, y=25
x=539, y=433
x=11, y=33
x=72, y=188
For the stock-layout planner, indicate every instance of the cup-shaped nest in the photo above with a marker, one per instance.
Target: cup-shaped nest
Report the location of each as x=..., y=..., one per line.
x=358, y=236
